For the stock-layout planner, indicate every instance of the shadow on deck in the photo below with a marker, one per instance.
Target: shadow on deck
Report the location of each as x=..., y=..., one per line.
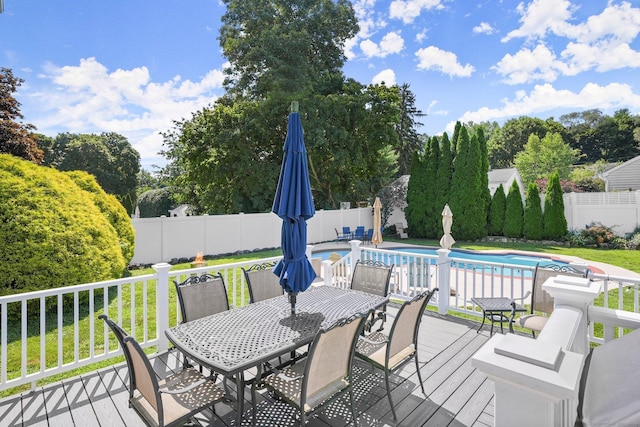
x=459, y=395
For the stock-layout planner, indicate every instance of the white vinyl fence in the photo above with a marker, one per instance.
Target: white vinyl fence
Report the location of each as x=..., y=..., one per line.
x=166, y=238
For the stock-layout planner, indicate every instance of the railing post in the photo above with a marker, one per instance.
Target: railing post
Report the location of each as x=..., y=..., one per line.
x=162, y=304
x=444, y=284
x=355, y=252
x=326, y=272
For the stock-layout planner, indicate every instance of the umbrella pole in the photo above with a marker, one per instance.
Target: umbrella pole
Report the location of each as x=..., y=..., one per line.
x=292, y=300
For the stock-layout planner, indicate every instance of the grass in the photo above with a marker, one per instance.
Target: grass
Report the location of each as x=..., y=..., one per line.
x=622, y=258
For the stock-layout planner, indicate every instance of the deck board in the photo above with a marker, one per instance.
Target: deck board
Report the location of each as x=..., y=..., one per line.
x=458, y=394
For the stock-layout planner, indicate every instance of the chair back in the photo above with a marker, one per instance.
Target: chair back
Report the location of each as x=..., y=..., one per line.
x=540, y=299
x=121, y=334
x=404, y=331
x=262, y=283
x=372, y=277
x=146, y=381
x=359, y=233
x=330, y=357
x=346, y=230
x=202, y=296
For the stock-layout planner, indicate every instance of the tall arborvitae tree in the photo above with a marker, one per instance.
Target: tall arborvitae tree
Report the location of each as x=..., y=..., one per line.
x=532, y=213
x=459, y=184
x=432, y=214
x=514, y=213
x=454, y=139
x=484, y=173
x=444, y=174
x=414, y=212
x=498, y=209
x=409, y=141
x=466, y=196
x=553, y=219
x=476, y=209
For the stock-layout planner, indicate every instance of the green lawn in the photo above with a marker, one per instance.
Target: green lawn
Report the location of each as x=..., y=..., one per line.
x=626, y=259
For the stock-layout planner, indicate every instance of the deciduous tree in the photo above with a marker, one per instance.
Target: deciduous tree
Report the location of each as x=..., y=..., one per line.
x=16, y=138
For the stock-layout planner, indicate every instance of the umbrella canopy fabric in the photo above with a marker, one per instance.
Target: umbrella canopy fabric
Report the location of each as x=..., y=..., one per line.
x=447, y=221
x=293, y=203
x=376, y=239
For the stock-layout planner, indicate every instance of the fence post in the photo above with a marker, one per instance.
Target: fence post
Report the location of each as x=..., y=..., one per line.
x=162, y=304
x=444, y=283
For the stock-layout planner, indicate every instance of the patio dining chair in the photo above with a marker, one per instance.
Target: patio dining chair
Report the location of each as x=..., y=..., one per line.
x=201, y=296
x=262, y=283
x=390, y=352
x=172, y=400
x=373, y=277
x=359, y=233
x=541, y=302
x=324, y=375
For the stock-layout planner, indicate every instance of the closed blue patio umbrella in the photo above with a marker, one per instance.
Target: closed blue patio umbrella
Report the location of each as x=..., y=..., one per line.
x=293, y=203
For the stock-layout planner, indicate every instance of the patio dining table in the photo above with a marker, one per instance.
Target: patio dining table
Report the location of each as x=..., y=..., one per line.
x=234, y=341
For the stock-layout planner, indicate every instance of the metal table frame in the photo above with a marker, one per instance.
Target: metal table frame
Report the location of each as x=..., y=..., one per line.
x=234, y=341
x=496, y=310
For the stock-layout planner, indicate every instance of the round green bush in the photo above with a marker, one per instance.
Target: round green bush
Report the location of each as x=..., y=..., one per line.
x=111, y=208
x=53, y=233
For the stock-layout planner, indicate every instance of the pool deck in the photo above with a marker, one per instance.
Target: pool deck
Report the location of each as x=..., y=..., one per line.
x=603, y=268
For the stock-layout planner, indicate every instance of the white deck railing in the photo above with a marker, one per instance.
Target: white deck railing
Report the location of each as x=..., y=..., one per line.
x=144, y=305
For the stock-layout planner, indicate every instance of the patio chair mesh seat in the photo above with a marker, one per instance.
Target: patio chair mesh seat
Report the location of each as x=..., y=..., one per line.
x=170, y=401
x=262, y=283
x=390, y=352
x=324, y=374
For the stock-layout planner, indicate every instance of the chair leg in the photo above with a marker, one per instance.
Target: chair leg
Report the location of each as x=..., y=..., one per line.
x=353, y=408
x=386, y=380
x=419, y=375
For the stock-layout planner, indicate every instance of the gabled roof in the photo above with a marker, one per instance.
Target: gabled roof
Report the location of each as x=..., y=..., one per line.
x=501, y=175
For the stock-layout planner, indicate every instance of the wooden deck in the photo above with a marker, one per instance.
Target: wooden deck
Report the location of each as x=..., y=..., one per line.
x=459, y=395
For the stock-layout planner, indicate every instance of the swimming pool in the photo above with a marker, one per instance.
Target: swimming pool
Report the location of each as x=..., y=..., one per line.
x=470, y=256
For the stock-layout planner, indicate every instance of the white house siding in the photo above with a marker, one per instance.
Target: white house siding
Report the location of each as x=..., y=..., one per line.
x=624, y=177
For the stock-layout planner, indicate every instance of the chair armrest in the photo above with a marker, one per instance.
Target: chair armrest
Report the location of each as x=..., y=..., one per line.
x=512, y=316
x=187, y=388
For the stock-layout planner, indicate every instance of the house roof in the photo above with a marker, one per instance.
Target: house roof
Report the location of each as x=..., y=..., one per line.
x=621, y=165
x=501, y=175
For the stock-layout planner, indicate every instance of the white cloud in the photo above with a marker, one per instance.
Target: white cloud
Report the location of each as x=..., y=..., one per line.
x=602, y=42
x=530, y=65
x=483, y=28
x=390, y=43
x=408, y=10
x=540, y=17
x=387, y=76
x=88, y=98
x=421, y=35
x=433, y=58
x=546, y=98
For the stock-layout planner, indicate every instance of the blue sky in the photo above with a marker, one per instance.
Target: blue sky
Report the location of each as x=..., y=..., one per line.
x=132, y=67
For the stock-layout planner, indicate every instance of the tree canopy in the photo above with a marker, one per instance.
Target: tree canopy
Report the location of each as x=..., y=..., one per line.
x=227, y=156
x=108, y=156
x=16, y=138
x=543, y=156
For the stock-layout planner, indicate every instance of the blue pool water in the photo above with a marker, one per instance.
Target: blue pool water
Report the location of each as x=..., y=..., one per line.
x=507, y=258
